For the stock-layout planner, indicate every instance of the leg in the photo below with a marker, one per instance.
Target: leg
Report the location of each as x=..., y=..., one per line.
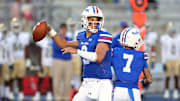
x=176, y=79
x=136, y=94
x=168, y=72
x=42, y=74
x=76, y=71
x=6, y=78
x=1, y=89
x=106, y=91
x=11, y=96
x=50, y=84
x=121, y=94
x=20, y=75
x=11, y=81
x=37, y=96
x=13, y=74
x=167, y=82
x=1, y=85
x=81, y=95
x=176, y=73
x=67, y=79
x=176, y=65
x=57, y=77
x=49, y=96
x=175, y=92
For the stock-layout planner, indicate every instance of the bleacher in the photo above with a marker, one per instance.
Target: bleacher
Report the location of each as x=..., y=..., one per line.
x=60, y=10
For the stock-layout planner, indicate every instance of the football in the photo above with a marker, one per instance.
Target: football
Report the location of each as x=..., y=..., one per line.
x=40, y=30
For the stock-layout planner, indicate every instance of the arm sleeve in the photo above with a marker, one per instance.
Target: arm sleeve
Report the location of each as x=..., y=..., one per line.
x=78, y=37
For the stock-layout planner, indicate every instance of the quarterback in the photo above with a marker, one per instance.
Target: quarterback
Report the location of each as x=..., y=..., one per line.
x=94, y=47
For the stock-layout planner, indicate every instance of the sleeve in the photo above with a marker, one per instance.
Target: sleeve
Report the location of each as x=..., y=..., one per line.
x=78, y=36
x=106, y=38
x=146, y=57
x=55, y=47
x=114, y=43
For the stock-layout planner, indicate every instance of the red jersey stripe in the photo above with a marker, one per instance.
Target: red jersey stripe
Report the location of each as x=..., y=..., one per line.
x=105, y=38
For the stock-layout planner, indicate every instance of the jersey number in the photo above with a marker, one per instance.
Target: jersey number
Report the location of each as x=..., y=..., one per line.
x=129, y=61
x=84, y=48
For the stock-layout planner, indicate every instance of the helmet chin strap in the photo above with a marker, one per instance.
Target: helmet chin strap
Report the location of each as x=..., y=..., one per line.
x=98, y=27
x=93, y=30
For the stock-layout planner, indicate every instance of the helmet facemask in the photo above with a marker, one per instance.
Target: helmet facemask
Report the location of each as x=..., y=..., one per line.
x=16, y=29
x=15, y=25
x=92, y=26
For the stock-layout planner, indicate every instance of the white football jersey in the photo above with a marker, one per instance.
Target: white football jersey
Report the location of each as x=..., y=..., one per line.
x=150, y=40
x=170, y=47
x=6, y=53
x=46, y=46
x=19, y=42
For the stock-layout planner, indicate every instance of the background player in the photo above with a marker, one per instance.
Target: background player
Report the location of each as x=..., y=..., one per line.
x=46, y=62
x=170, y=58
x=6, y=61
x=129, y=66
x=94, y=48
x=33, y=65
x=19, y=40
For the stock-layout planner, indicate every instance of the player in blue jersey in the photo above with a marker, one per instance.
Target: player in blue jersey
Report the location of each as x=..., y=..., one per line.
x=128, y=64
x=115, y=41
x=94, y=47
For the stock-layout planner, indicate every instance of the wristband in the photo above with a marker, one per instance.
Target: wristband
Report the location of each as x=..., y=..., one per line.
x=52, y=32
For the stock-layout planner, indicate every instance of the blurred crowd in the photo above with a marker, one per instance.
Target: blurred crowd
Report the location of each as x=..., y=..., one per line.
x=37, y=68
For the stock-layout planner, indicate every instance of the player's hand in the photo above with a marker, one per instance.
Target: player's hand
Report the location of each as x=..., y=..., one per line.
x=48, y=27
x=69, y=50
x=145, y=83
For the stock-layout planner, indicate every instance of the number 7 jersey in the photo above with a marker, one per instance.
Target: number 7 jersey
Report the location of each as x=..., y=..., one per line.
x=97, y=70
x=128, y=65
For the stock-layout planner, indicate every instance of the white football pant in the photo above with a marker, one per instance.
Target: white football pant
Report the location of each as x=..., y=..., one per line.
x=125, y=94
x=95, y=90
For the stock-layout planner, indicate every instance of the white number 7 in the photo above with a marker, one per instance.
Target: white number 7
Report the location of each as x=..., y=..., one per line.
x=129, y=61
